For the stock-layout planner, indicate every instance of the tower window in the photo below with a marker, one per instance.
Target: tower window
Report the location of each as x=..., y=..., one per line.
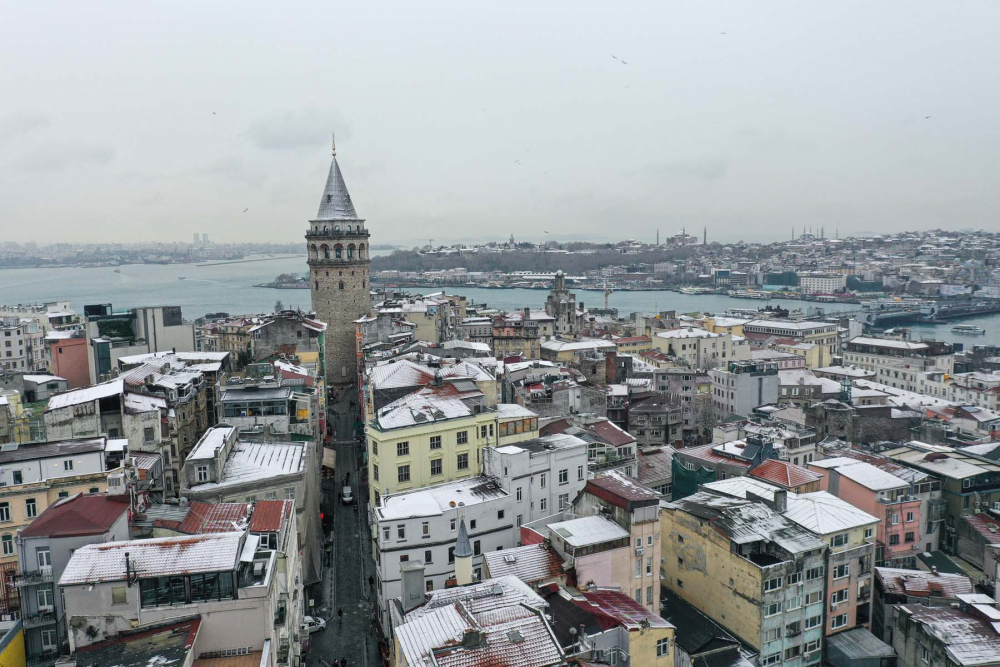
x=327, y=274
x=329, y=198
x=341, y=284
x=339, y=253
x=317, y=284
x=362, y=284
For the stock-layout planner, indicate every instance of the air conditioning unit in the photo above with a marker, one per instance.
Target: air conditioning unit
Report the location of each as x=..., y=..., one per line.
x=639, y=551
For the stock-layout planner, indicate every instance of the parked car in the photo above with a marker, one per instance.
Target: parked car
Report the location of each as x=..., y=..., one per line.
x=347, y=495
x=313, y=624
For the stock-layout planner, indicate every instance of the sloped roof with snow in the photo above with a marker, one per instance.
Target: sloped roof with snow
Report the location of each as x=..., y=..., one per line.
x=530, y=563
x=96, y=563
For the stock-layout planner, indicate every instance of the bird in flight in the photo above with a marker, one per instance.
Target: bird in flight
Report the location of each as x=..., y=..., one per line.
x=517, y=162
x=722, y=33
x=619, y=59
x=213, y=113
x=925, y=117
x=245, y=210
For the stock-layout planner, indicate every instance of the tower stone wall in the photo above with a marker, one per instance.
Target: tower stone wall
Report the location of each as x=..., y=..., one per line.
x=337, y=244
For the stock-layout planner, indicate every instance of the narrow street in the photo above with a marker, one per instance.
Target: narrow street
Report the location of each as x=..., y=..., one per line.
x=348, y=563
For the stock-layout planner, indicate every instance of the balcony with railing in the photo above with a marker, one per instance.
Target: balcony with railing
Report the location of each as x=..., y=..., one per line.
x=39, y=619
x=611, y=461
x=35, y=577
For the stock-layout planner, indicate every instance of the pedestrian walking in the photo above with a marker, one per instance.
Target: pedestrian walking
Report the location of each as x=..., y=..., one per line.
x=371, y=581
x=343, y=662
x=348, y=479
x=340, y=615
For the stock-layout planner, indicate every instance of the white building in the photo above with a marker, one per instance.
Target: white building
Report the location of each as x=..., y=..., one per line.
x=227, y=578
x=698, y=348
x=821, y=283
x=542, y=476
x=41, y=461
x=423, y=526
x=743, y=386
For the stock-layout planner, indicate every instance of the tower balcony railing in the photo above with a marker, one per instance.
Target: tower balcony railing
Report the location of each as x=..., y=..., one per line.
x=337, y=234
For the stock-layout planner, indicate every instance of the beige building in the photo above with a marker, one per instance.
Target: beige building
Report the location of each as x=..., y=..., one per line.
x=748, y=568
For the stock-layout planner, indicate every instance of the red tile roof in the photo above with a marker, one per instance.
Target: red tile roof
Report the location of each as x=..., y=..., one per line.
x=985, y=525
x=268, y=515
x=784, y=474
x=205, y=517
x=78, y=515
x=609, y=433
x=614, y=608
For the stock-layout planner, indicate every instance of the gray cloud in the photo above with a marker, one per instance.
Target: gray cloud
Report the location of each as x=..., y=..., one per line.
x=17, y=125
x=295, y=129
x=56, y=157
x=706, y=169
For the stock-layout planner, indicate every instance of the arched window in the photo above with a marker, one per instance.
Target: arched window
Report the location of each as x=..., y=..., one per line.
x=317, y=285
x=350, y=251
x=336, y=228
x=326, y=229
x=349, y=229
x=313, y=253
x=339, y=251
x=326, y=251
x=361, y=251
x=341, y=284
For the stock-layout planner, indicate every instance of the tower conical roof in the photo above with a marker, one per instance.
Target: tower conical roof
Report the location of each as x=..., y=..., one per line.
x=336, y=202
x=463, y=548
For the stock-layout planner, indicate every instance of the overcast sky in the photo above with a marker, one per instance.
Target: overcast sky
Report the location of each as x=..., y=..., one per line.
x=460, y=121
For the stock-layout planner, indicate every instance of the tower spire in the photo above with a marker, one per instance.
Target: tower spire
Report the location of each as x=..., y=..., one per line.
x=334, y=136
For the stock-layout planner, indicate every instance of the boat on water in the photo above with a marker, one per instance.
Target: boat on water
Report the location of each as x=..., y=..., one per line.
x=968, y=329
x=118, y=270
x=747, y=294
x=181, y=277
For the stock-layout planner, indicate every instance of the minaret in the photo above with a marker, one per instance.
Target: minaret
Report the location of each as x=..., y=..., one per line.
x=704, y=236
x=463, y=556
x=337, y=243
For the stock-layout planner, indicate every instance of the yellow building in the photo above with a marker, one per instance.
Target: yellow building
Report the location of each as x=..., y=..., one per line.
x=817, y=355
x=21, y=503
x=14, y=426
x=634, y=344
x=430, y=436
x=515, y=423
x=12, y=652
x=647, y=638
x=749, y=569
x=729, y=325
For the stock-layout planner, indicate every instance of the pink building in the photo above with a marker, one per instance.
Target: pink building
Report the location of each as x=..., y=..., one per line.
x=900, y=533
x=70, y=359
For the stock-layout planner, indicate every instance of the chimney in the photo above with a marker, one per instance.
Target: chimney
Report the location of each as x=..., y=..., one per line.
x=412, y=574
x=780, y=501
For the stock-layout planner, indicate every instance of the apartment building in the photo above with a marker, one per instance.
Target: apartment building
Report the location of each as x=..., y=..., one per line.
x=899, y=534
x=223, y=468
x=229, y=579
x=743, y=386
x=634, y=507
x=750, y=569
x=424, y=525
x=516, y=336
x=430, y=436
x=900, y=364
x=113, y=334
x=848, y=532
x=35, y=476
x=698, y=348
x=969, y=483
x=44, y=549
x=542, y=476
x=656, y=421
x=769, y=333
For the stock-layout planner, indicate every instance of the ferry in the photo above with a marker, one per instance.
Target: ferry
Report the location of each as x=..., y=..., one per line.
x=969, y=329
